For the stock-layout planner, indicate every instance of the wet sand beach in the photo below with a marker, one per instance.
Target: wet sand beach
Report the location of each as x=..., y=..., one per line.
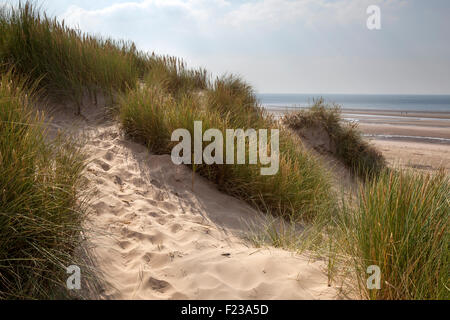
x=419, y=140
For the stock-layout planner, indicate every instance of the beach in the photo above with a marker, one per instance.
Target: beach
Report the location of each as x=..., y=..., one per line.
x=417, y=155
x=158, y=231
x=412, y=139
x=419, y=140
x=130, y=174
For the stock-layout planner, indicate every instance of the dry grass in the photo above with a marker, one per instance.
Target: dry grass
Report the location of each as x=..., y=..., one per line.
x=351, y=148
x=300, y=189
x=400, y=222
x=40, y=207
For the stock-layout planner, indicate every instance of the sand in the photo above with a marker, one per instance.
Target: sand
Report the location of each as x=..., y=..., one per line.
x=413, y=139
x=417, y=140
x=406, y=130
x=156, y=231
x=154, y=237
x=417, y=155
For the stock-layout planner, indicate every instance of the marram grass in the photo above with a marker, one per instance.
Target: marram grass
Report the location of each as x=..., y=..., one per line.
x=351, y=148
x=66, y=62
x=40, y=208
x=400, y=221
x=300, y=188
x=401, y=224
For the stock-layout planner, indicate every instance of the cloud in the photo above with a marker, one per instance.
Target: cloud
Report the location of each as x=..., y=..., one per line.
x=169, y=24
x=283, y=45
x=165, y=12
x=204, y=16
x=310, y=13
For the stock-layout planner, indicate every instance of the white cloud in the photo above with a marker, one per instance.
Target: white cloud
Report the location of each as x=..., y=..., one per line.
x=311, y=13
x=174, y=11
x=165, y=25
x=280, y=45
x=220, y=13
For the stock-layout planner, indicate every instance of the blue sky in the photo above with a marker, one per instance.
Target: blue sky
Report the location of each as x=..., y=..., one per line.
x=303, y=46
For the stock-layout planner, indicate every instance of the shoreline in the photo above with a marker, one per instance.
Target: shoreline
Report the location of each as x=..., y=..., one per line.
x=401, y=130
x=384, y=112
x=395, y=123
x=416, y=139
x=403, y=113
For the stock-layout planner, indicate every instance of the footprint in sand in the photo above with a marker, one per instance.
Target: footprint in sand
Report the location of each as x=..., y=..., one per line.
x=158, y=285
x=108, y=156
x=154, y=214
x=125, y=244
x=147, y=257
x=105, y=166
x=174, y=228
x=162, y=221
x=100, y=207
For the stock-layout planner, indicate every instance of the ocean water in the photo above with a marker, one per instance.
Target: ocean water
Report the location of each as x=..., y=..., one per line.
x=426, y=103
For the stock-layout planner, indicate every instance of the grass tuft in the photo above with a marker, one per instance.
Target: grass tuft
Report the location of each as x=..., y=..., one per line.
x=351, y=148
x=300, y=188
x=67, y=63
x=40, y=209
x=401, y=224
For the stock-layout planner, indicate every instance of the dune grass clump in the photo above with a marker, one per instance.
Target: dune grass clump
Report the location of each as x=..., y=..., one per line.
x=234, y=98
x=143, y=115
x=401, y=224
x=172, y=74
x=40, y=208
x=351, y=148
x=73, y=65
x=66, y=62
x=300, y=189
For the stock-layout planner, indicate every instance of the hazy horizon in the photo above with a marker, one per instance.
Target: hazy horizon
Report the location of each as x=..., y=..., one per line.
x=284, y=46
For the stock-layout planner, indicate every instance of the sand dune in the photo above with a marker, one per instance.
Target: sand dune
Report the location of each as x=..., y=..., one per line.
x=154, y=237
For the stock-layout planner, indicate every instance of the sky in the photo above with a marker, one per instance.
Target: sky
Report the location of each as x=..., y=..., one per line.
x=285, y=46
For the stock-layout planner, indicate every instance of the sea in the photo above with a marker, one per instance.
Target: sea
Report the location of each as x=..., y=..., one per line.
x=418, y=103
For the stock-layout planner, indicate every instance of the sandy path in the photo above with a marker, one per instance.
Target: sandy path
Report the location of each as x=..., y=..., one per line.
x=156, y=238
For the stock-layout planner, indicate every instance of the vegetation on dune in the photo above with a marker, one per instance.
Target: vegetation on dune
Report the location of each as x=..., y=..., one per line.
x=399, y=222
x=300, y=189
x=351, y=148
x=172, y=74
x=71, y=64
x=68, y=63
x=40, y=208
